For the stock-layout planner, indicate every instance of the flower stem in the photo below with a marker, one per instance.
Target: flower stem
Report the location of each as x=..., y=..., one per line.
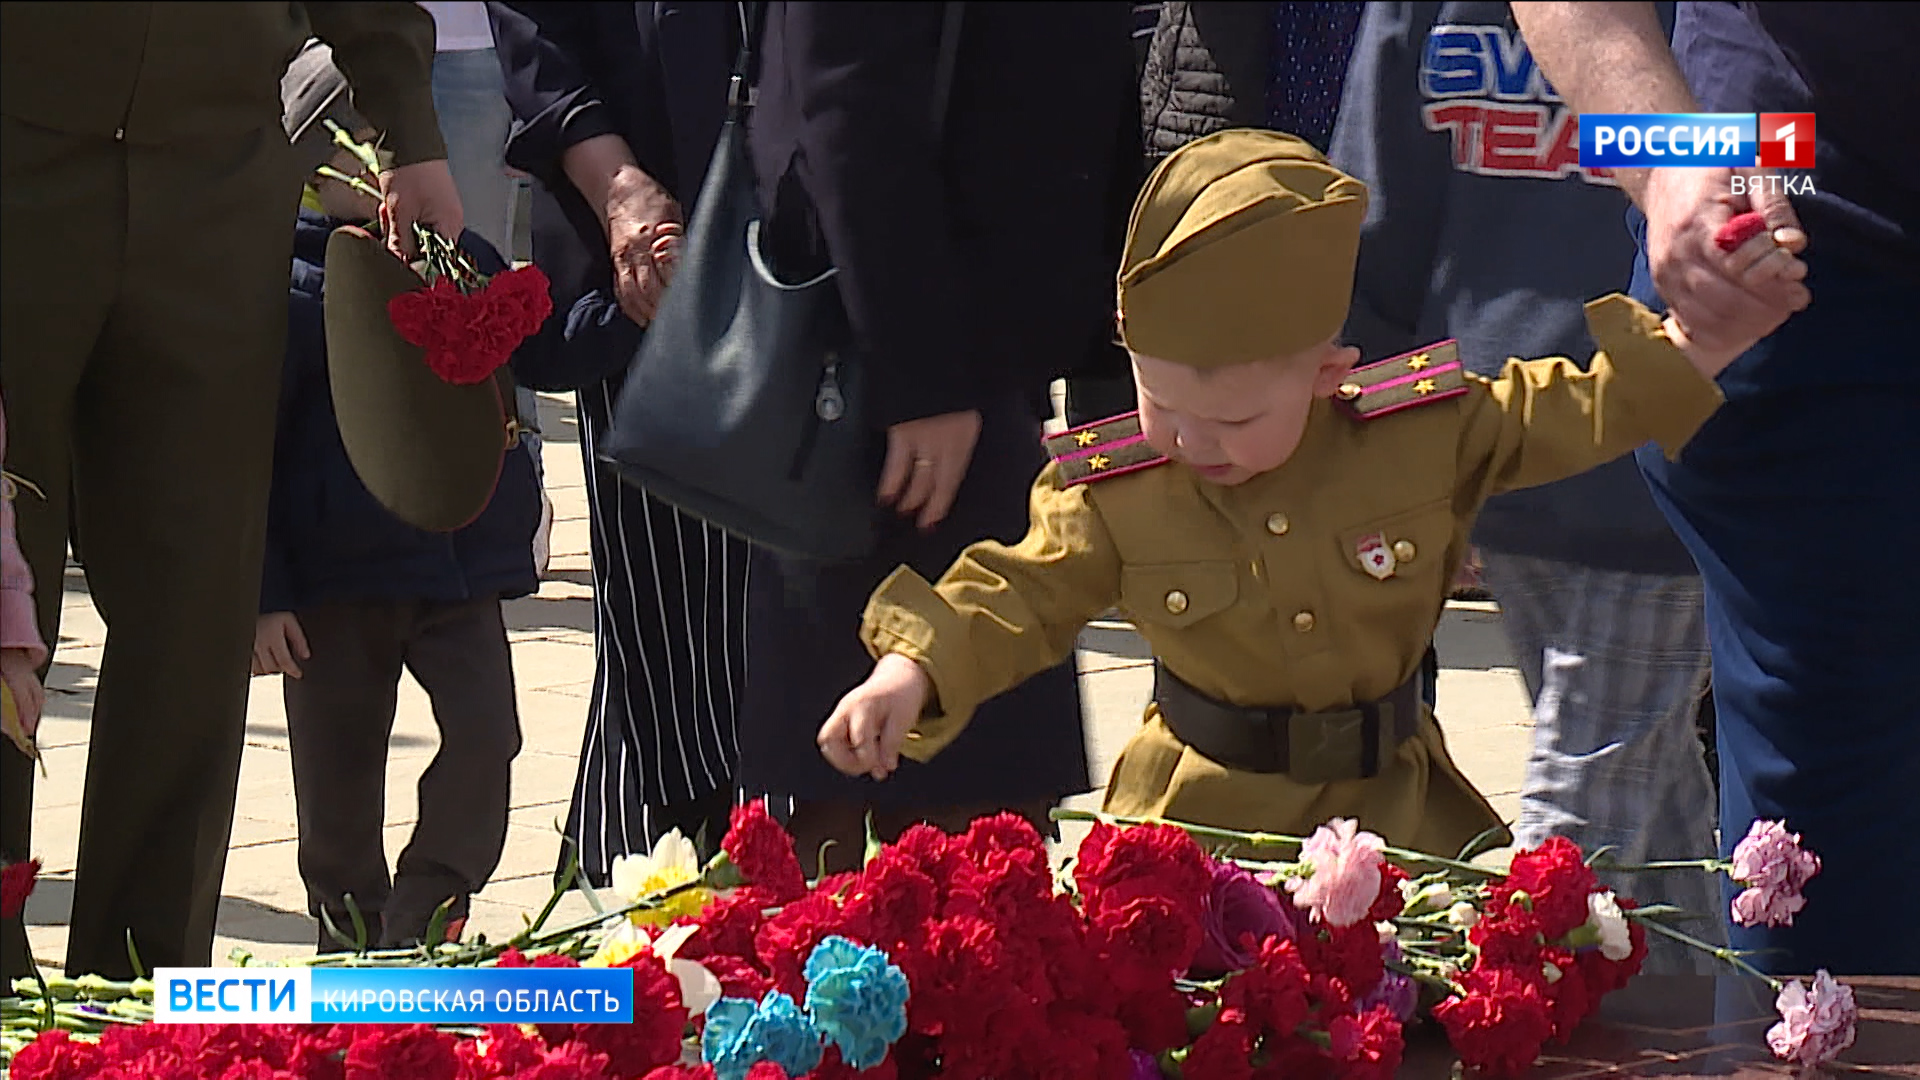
x=1258, y=839
x=1718, y=952
x=1669, y=864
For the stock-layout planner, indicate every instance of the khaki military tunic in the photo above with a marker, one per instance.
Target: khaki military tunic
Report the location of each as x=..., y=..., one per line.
x=1271, y=593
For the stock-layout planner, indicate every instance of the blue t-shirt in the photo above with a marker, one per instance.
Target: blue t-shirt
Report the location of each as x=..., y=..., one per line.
x=1851, y=65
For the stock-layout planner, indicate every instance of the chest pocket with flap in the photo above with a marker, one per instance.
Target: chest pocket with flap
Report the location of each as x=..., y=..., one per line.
x=1178, y=595
x=1409, y=546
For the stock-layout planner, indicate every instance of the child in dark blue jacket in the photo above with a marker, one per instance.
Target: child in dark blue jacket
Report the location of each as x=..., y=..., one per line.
x=351, y=596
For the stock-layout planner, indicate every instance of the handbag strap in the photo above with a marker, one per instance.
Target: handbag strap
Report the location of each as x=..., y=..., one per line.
x=746, y=65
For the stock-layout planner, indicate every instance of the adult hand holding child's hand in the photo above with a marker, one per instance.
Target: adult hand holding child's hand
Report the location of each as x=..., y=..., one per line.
x=867, y=728
x=1763, y=262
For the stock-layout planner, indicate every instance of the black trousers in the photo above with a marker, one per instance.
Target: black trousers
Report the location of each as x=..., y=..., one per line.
x=339, y=723
x=143, y=313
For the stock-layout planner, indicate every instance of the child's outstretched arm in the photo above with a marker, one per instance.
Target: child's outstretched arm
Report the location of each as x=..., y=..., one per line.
x=999, y=615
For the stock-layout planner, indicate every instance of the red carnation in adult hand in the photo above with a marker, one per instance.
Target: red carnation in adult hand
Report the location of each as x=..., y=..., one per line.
x=415, y=1051
x=1739, y=229
x=16, y=884
x=1500, y=1025
x=763, y=852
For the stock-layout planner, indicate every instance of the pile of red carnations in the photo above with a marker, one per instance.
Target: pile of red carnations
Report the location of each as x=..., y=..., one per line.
x=467, y=322
x=967, y=958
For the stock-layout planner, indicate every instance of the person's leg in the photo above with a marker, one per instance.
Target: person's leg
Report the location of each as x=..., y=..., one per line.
x=1615, y=664
x=1795, y=505
x=459, y=654
x=173, y=457
x=340, y=716
x=62, y=227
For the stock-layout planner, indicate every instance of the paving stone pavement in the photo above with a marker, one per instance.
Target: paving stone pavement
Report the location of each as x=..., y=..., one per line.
x=263, y=910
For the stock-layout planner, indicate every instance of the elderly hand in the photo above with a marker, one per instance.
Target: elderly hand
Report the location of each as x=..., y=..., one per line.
x=419, y=194
x=1725, y=303
x=643, y=234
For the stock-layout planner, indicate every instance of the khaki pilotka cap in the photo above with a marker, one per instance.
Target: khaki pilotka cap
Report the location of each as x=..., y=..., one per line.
x=1241, y=247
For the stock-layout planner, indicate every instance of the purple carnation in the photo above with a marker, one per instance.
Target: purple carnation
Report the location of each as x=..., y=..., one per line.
x=1239, y=913
x=1396, y=991
x=1145, y=1066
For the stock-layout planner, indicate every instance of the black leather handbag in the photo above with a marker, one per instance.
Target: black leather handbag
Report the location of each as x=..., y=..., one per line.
x=743, y=405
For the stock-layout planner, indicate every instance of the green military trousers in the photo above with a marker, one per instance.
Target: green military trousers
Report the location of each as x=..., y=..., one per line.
x=145, y=310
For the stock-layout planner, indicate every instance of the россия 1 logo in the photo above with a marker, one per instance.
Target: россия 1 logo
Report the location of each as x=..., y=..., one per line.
x=1723, y=140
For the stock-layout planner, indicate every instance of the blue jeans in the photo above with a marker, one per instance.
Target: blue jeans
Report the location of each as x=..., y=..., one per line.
x=469, y=94
x=1796, y=499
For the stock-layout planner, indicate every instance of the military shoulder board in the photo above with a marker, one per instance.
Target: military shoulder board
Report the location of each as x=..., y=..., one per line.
x=1099, y=450
x=1425, y=375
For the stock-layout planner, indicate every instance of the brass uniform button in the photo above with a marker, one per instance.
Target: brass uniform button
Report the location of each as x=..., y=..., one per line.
x=1349, y=391
x=914, y=735
x=1303, y=622
x=1404, y=550
x=1176, y=601
x=1277, y=524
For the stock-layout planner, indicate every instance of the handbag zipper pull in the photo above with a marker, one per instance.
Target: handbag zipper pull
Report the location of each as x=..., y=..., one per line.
x=829, y=405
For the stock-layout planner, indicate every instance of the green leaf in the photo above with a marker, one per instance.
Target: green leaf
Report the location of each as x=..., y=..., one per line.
x=359, y=925
x=133, y=956
x=437, y=927
x=1598, y=853
x=1482, y=843
x=333, y=929
x=593, y=898
x=873, y=842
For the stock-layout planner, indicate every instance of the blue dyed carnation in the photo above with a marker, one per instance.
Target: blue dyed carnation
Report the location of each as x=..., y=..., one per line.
x=740, y=1034
x=857, y=999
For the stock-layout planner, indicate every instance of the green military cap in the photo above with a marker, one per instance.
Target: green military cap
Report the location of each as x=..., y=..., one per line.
x=429, y=451
x=1241, y=247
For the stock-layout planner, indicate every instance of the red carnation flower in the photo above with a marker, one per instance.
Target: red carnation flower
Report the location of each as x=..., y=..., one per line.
x=1367, y=1046
x=681, y=1072
x=763, y=852
x=1152, y=1019
x=931, y=851
x=788, y=938
x=959, y=976
x=1352, y=954
x=1080, y=1045
x=738, y=978
x=1272, y=992
x=659, y=1022
x=832, y=1068
x=1508, y=935
x=415, y=1051
x=504, y=1051
x=55, y=1055
x=16, y=884
x=1501, y=1023
x=890, y=902
x=1116, y=865
x=1221, y=1052
x=1389, y=904
x=766, y=1070
x=1145, y=942
x=569, y=1061
x=1569, y=999
x=1557, y=881
x=728, y=925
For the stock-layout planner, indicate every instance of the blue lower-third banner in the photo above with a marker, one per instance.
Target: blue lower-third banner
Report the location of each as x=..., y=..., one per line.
x=393, y=995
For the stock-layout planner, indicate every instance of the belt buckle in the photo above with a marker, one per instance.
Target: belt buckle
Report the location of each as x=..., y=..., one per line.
x=1328, y=747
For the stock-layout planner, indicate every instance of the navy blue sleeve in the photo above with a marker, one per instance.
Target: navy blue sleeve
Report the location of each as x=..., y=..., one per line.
x=303, y=375
x=1381, y=138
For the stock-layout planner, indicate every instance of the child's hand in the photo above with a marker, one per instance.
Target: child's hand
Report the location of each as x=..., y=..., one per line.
x=866, y=729
x=277, y=642
x=1763, y=262
x=29, y=697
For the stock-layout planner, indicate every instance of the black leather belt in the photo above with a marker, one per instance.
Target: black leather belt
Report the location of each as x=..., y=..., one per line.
x=1313, y=748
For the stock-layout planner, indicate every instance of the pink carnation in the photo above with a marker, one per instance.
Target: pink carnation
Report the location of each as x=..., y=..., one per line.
x=1815, y=1025
x=1774, y=867
x=1346, y=873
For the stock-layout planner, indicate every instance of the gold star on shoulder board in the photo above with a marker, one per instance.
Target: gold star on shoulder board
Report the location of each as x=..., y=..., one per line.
x=1419, y=362
x=1098, y=462
x=1086, y=438
x=1424, y=386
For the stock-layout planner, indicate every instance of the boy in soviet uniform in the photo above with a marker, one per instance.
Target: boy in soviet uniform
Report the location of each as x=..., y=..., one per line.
x=1281, y=526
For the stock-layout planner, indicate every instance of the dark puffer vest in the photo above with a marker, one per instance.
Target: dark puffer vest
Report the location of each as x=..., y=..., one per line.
x=1206, y=71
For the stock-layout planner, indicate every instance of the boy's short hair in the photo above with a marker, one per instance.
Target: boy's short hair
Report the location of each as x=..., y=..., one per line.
x=313, y=92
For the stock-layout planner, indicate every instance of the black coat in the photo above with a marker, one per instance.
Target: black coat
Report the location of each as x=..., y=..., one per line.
x=328, y=539
x=984, y=262
x=654, y=74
